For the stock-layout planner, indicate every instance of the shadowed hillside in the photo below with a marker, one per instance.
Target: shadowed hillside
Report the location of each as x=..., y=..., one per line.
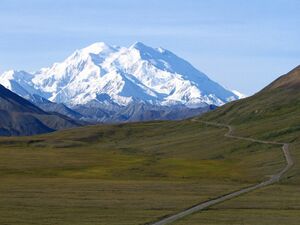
x=20, y=117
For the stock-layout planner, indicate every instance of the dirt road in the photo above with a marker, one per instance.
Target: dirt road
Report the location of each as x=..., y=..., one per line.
x=273, y=179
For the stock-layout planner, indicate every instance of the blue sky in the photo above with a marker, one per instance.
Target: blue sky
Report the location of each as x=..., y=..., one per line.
x=241, y=44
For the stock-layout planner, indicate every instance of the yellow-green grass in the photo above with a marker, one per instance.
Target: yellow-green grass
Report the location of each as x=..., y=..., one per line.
x=93, y=201
x=124, y=174
x=277, y=204
x=273, y=115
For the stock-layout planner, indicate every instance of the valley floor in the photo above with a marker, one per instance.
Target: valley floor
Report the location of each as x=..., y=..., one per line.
x=91, y=201
x=277, y=204
x=136, y=174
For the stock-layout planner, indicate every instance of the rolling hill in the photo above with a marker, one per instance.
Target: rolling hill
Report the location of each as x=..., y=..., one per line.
x=271, y=113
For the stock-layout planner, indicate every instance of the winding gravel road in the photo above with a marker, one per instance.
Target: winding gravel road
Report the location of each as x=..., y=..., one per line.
x=273, y=179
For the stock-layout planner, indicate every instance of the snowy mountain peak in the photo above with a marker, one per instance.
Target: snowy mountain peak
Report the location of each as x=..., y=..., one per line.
x=147, y=50
x=138, y=45
x=123, y=75
x=97, y=48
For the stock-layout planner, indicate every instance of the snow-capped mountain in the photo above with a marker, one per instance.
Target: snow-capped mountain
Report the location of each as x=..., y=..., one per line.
x=107, y=74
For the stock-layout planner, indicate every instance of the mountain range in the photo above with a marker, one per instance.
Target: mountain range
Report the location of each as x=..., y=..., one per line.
x=106, y=83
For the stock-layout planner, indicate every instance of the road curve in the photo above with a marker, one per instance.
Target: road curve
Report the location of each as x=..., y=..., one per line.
x=204, y=205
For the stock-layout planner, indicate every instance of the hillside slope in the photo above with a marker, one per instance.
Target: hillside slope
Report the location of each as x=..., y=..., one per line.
x=20, y=117
x=274, y=112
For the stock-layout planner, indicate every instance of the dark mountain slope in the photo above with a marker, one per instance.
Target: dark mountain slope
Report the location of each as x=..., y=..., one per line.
x=60, y=108
x=290, y=80
x=20, y=117
x=139, y=111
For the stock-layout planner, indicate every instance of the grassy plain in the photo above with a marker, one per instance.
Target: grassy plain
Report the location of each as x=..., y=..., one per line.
x=124, y=174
